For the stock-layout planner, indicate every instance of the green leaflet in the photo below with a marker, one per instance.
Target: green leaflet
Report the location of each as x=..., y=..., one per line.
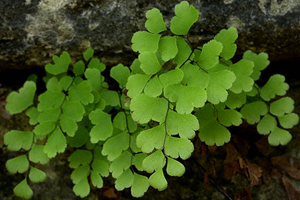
x=53, y=85
x=145, y=108
x=50, y=99
x=56, y=143
x=80, y=157
x=68, y=125
x=81, y=92
x=36, y=175
x=80, y=173
x=135, y=67
x=136, y=84
x=78, y=68
x=279, y=136
x=168, y=47
x=209, y=56
x=175, y=168
x=154, y=161
x=120, y=164
x=252, y=111
x=218, y=85
x=82, y=188
x=183, y=124
x=96, y=179
x=65, y=82
x=153, y=87
x=119, y=121
x=100, y=167
x=228, y=117
x=149, y=62
x=15, y=140
x=51, y=114
x=100, y=164
x=110, y=97
x=227, y=38
x=211, y=132
x=79, y=178
x=242, y=70
x=133, y=145
x=18, y=164
x=186, y=97
x=138, y=159
x=23, y=190
x=235, y=100
x=194, y=76
x=80, y=137
x=94, y=78
x=289, y=120
x=158, y=180
x=88, y=54
x=103, y=128
x=151, y=139
x=282, y=106
x=186, y=16
x=143, y=41
x=19, y=101
x=44, y=128
x=171, y=77
x=114, y=146
x=37, y=155
x=260, y=62
x=125, y=180
x=139, y=186
x=155, y=22
x=266, y=124
x=120, y=73
x=184, y=51
x=178, y=147
x=96, y=64
x=33, y=114
x=274, y=86
x=61, y=64
x=74, y=110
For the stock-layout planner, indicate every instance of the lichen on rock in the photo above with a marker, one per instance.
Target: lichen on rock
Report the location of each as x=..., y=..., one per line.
x=49, y=23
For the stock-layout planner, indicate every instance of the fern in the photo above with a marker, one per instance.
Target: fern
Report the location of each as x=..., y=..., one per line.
x=170, y=92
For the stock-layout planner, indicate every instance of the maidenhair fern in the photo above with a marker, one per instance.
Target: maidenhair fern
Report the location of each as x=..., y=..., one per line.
x=170, y=94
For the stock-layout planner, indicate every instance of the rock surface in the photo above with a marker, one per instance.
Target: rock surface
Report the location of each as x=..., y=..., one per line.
x=32, y=31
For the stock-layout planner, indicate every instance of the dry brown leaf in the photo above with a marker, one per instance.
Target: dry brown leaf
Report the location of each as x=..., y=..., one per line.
x=292, y=193
x=289, y=164
x=231, y=168
x=231, y=153
x=231, y=164
x=110, y=193
x=255, y=172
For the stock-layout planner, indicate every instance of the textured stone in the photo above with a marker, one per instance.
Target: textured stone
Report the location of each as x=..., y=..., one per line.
x=32, y=31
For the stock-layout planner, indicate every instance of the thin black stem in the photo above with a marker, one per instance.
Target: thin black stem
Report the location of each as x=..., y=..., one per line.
x=214, y=183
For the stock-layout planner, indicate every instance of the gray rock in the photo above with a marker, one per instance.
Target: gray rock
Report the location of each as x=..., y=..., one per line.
x=32, y=31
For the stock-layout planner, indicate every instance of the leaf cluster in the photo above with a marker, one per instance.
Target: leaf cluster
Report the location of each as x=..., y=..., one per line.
x=140, y=131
